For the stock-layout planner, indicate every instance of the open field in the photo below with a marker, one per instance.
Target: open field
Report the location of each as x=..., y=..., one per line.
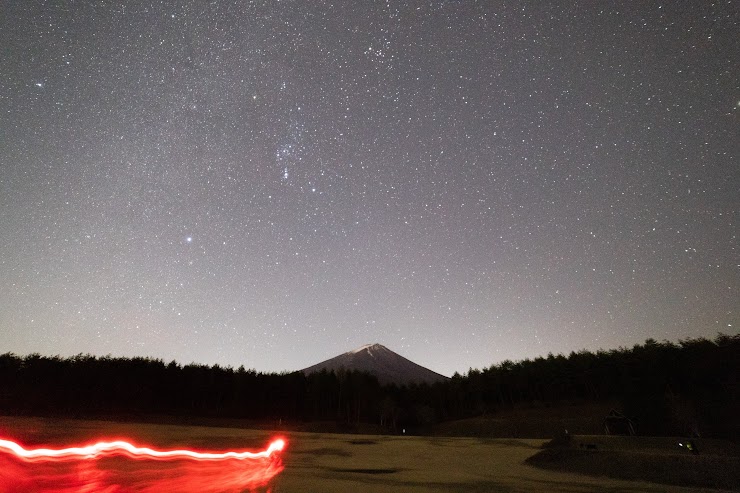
x=340, y=463
x=347, y=463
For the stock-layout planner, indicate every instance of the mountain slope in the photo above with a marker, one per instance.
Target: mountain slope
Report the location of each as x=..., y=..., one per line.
x=380, y=361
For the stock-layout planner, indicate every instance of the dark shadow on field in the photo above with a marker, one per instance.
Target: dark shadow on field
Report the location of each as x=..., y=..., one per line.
x=364, y=470
x=323, y=451
x=501, y=442
x=657, y=460
x=550, y=485
x=378, y=478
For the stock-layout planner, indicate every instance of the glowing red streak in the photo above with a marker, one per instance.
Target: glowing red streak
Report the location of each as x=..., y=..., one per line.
x=107, y=467
x=118, y=447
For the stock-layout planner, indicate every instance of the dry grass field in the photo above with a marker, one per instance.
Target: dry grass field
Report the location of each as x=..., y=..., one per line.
x=353, y=463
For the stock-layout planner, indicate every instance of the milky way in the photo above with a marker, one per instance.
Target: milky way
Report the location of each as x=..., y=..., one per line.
x=269, y=184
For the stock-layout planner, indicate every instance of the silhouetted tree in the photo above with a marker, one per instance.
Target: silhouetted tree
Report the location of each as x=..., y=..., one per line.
x=666, y=388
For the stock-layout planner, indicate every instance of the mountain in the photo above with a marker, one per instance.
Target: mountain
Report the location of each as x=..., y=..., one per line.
x=380, y=361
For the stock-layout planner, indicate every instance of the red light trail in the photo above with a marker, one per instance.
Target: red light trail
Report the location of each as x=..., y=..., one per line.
x=121, y=447
x=121, y=467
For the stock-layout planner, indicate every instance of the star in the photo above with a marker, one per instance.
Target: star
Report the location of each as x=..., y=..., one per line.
x=251, y=124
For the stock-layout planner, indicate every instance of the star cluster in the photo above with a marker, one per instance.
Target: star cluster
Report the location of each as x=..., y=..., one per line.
x=271, y=183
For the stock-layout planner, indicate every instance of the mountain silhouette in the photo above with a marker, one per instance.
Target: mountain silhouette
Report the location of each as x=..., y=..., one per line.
x=380, y=361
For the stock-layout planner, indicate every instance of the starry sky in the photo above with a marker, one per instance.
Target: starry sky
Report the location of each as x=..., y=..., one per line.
x=272, y=183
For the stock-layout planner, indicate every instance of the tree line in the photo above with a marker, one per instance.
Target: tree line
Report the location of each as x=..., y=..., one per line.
x=666, y=388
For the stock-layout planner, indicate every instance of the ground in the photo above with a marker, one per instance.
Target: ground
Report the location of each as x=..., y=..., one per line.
x=351, y=463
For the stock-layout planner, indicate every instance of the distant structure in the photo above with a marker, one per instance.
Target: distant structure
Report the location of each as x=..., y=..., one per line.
x=616, y=423
x=380, y=361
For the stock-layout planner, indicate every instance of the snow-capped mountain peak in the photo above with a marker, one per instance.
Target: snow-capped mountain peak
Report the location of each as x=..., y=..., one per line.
x=380, y=361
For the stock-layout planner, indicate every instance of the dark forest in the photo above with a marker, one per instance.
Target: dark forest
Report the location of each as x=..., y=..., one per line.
x=689, y=387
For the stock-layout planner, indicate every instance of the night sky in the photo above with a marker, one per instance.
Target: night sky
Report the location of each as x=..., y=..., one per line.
x=270, y=184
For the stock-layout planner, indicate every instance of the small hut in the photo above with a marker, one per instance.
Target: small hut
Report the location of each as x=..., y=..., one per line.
x=616, y=423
